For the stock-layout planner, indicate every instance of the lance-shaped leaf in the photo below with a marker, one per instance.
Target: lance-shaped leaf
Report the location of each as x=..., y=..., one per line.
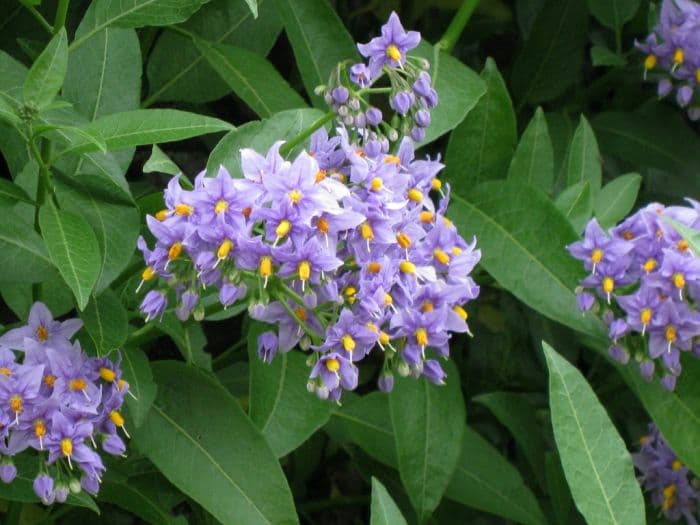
x=575, y=203
x=584, y=158
x=46, y=75
x=318, y=38
x=23, y=255
x=106, y=321
x=617, y=199
x=533, y=161
x=596, y=463
x=73, y=249
x=252, y=78
x=384, y=510
x=11, y=194
x=201, y=440
x=428, y=423
x=159, y=162
x=136, y=370
x=613, y=13
x=280, y=406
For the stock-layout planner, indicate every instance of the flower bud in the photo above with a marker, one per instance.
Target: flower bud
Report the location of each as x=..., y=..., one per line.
x=386, y=382
x=354, y=104
x=340, y=95
x=43, y=488
x=422, y=118
x=403, y=369
x=319, y=90
x=373, y=116
x=418, y=134
x=74, y=486
x=8, y=472
x=61, y=493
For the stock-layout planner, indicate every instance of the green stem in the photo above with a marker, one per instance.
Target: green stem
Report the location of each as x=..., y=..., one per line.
x=60, y=18
x=288, y=146
x=313, y=335
x=40, y=18
x=227, y=353
x=454, y=30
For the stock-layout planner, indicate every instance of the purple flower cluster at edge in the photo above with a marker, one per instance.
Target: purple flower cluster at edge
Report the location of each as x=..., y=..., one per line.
x=60, y=403
x=648, y=279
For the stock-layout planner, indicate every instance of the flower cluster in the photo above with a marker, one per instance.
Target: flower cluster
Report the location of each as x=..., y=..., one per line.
x=342, y=248
x=60, y=403
x=672, y=486
x=673, y=49
x=646, y=274
x=410, y=90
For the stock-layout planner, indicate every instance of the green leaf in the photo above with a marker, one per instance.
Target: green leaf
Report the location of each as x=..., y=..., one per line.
x=11, y=194
x=252, y=78
x=73, y=248
x=189, y=339
x=280, y=406
x=481, y=147
x=258, y=136
x=153, y=126
x=613, y=13
x=139, y=497
x=104, y=76
x=602, y=56
x=384, y=510
x=553, y=55
x=519, y=415
x=617, y=199
x=319, y=40
x=46, y=75
x=460, y=90
x=533, y=161
x=23, y=255
x=159, y=162
x=428, y=422
x=253, y=5
x=136, y=370
x=201, y=440
x=485, y=480
x=596, y=463
x=116, y=224
x=575, y=203
x=584, y=158
x=136, y=13
x=106, y=321
x=7, y=110
x=522, y=238
x=178, y=71
x=558, y=490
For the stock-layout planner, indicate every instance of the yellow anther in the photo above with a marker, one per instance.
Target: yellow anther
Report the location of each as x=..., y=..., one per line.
x=295, y=196
x=304, y=269
x=669, y=494
x=247, y=211
x=122, y=384
x=49, y=380
x=348, y=343
x=322, y=225
x=66, y=447
x=426, y=217
x=650, y=62
x=116, y=418
x=441, y=256
x=392, y=159
x=697, y=75
x=350, y=293
x=5, y=371
x=388, y=299
x=643, y=440
x=596, y=256
x=678, y=280
x=42, y=333
x=403, y=240
x=77, y=385
x=283, y=228
x=608, y=285
x=372, y=327
x=366, y=231
x=16, y=403
x=393, y=52
x=678, y=56
x=670, y=333
x=265, y=266
x=436, y=184
x=39, y=428
x=456, y=250
x=224, y=249
x=427, y=306
x=421, y=337
x=461, y=312
x=301, y=314
x=148, y=273
x=650, y=265
x=320, y=175
x=677, y=464
x=332, y=365
x=161, y=215
x=175, y=250
x=415, y=195
x=682, y=245
x=107, y=374
x=407, y=267
x=376, y=184
x=628, y=235
x=374, y=267
x=221, y=206
x=184, y=210
x=384, y=338
x=645, y=316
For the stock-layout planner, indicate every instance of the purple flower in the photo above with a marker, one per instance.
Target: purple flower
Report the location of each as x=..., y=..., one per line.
x=335, y=371
x=61, y=493
x=340, y=95
x=154, y=304
x=422, y=118
x=41, y=328
x=389, y=49
x=373, y=116
x=619, y=353
x=8, y=471
x=401, y=102
x=43, y=488
x=114, y=445
x=267, y=346
x=434, y=372
x=386, y=382
x=360, y=75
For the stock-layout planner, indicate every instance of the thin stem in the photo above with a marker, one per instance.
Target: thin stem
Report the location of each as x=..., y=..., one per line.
x=313, y=335
x=60, y=18
x=454, y=30
x=40, y=18
x=227, y=353
x=287, y=147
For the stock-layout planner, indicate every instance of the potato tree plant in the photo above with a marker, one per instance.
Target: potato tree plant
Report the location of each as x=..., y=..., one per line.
x=312, y=261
